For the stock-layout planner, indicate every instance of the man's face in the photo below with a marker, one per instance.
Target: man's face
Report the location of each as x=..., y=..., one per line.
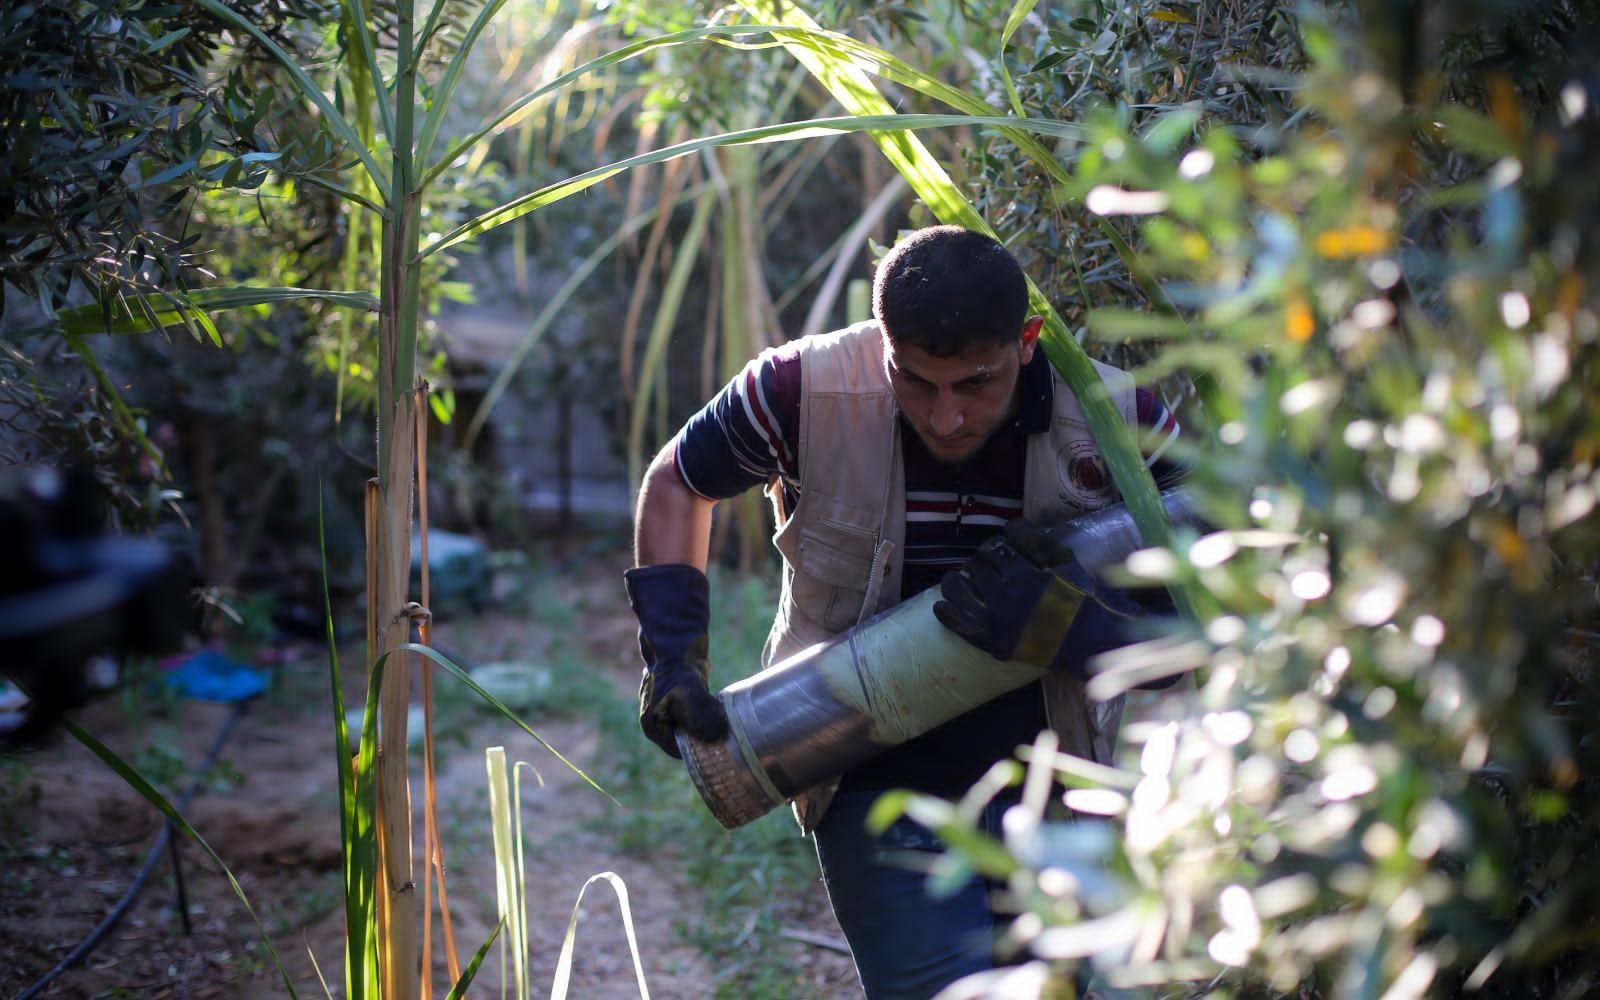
x=955, y=404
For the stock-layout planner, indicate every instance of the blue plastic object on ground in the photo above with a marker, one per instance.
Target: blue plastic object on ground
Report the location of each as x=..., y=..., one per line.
x=209, y=675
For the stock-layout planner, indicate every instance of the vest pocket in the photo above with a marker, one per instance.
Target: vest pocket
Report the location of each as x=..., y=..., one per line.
x=830, y=581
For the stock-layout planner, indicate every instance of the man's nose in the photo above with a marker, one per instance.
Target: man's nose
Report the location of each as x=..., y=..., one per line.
x=946, y=417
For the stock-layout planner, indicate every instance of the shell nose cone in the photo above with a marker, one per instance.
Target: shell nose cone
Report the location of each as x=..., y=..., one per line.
x=726, y=783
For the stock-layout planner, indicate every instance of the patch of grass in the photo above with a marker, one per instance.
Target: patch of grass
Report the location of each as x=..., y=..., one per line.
x=161, y=760
x=143, y=696
x=575, y=690
x=306, y=907
x=752, y=878
x=24, y=860
x=748, y=876
x=246, y=965
x=18, y=787
x=161, y=763
x=538, y=591
x=224, y=777
x=16, y=871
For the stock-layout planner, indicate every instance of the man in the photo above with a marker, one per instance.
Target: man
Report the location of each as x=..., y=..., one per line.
x=919, y=449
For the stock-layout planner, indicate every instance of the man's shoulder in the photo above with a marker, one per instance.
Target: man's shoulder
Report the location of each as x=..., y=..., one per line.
x=856, y=336
x=844, y=360
x=791, y=354
x=1116, y=379
x=1119, y=383
x=1109, y=373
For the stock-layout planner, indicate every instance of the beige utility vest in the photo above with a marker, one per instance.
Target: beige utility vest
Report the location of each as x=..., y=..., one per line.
x=842, y=544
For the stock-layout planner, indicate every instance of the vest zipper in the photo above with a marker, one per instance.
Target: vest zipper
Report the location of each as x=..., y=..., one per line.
x=875, y=573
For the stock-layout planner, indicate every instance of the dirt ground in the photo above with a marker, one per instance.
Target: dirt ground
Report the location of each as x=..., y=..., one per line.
x=73, y=836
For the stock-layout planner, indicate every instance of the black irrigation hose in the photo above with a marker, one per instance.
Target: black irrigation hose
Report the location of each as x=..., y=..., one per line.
x=111, y=919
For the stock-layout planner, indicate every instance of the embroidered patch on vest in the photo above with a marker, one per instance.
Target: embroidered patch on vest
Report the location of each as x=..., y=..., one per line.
x=1085, y=480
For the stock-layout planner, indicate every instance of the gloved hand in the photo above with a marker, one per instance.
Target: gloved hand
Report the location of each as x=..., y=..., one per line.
x=673, y=604
x=1023, y=596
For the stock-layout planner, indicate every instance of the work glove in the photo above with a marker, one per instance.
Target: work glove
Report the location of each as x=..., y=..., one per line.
x=1024, y=596
x=673, y=604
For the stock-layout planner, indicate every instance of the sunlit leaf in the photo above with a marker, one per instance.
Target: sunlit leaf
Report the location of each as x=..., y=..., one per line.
x=90, y=318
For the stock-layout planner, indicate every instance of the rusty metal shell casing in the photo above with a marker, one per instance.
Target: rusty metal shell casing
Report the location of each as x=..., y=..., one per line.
x=815, y=715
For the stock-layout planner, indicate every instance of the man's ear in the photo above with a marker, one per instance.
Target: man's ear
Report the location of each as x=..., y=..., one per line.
x=1030, y=337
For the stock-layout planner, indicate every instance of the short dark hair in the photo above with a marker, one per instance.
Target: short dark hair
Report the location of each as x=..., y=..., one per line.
x=945, y=289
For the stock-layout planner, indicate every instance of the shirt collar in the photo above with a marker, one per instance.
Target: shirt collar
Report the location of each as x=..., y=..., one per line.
x=1035, y=391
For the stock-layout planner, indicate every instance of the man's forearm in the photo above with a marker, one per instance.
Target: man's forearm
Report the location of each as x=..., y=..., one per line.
x=672, y=524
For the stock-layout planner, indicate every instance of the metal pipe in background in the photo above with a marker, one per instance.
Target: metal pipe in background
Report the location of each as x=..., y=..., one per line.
x=895, y=676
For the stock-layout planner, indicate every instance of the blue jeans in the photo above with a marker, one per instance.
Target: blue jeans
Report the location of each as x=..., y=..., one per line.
x=907, y=944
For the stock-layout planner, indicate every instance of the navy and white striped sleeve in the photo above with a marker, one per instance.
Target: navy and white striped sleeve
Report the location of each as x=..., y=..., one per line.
x=746, y=434
x=1158, y=429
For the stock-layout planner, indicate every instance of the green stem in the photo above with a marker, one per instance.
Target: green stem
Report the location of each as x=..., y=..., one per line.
x=119, y=407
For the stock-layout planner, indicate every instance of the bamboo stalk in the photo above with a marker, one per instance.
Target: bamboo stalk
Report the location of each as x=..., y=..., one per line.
x=394, y=790
x=397, y=334
x=432, y=845
x=358, y=969
x=424, y=630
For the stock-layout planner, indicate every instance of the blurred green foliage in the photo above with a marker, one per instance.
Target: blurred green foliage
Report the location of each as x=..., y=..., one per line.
x=1372, y=255
x=113, y=128
x=110, y=127
x=223, y=179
